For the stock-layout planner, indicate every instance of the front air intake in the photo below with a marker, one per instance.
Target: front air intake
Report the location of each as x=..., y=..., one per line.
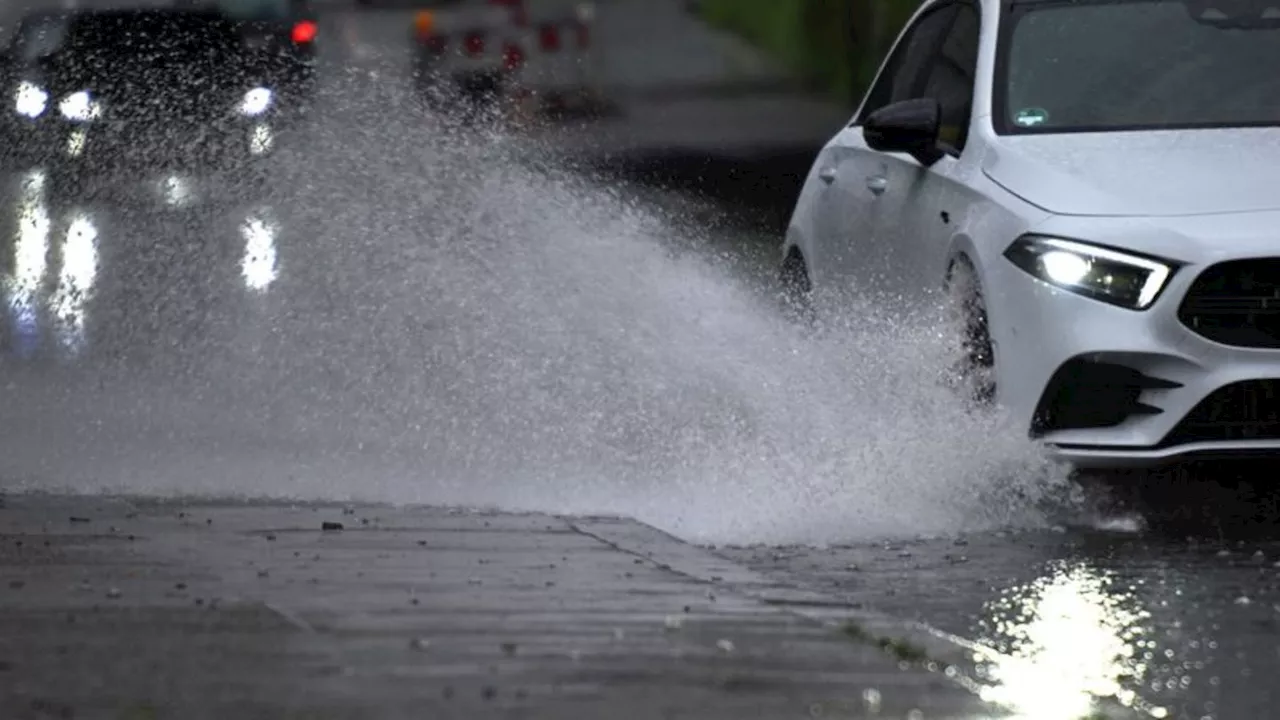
x=1086, y=393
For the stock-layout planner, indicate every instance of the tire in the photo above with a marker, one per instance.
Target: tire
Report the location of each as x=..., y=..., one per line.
x=974, y=371
x=797, y=289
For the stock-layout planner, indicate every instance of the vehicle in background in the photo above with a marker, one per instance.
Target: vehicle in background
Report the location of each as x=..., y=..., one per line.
x=478, y=55
x=98, y=96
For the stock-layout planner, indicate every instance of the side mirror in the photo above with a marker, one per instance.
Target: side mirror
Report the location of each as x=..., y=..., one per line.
x=907, y=126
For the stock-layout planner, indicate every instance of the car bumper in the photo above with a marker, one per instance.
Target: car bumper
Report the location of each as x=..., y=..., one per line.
x=1106, y=387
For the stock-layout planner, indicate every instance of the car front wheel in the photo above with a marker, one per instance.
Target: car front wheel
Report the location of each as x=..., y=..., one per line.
x=797, y=289
x=973, y=372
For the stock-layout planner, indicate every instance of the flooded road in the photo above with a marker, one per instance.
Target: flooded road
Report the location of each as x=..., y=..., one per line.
x=1175, y=611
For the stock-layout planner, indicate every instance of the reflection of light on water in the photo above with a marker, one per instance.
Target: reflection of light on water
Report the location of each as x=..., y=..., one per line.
x=259, y=265
x=176, y=190
x=76, y=140
x=75, y=282
x=261, y=139
x=30, y=255
x=1065, y=641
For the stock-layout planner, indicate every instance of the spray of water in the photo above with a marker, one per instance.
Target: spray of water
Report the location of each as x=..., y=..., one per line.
x=428, y=316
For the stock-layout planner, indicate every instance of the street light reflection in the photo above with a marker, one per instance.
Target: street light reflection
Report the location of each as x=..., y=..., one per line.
x=31, y=250
x=79, y=258
x=1062, y=643
x=177, y=190
x=259, y=264
x=76, y=140
x=261, y=139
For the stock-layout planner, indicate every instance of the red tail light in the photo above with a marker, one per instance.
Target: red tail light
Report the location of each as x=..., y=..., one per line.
x=512, y=56
x=549, y=38
x=474, y=43
x=304, y=32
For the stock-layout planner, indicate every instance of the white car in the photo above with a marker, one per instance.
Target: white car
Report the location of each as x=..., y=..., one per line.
x=1097, y=183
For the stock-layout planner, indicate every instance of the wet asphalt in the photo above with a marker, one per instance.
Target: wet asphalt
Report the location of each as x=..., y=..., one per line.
x=1170, y=599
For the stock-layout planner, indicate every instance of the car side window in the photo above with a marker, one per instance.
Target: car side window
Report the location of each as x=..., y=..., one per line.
x=903, y=76
x=951, y=77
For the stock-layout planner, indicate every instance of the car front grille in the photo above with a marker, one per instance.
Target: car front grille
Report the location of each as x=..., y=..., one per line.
x=1236, y=303
x=1247, y=410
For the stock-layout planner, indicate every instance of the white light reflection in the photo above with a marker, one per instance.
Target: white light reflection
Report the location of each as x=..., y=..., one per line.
x=76, y=140
x=177, y=190
x=31, y=251
x=75, y=283
x=259, y=264
x=1062, y=643
x=261, y=139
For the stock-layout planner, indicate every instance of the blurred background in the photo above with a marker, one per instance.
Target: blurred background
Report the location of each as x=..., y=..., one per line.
x=729, y=98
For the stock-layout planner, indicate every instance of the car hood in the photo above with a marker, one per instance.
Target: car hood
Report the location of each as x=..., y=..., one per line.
x=1165, y=173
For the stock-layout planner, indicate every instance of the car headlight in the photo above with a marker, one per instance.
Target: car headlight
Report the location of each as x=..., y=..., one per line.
x=30, y=100
x=80, y=106
x=256, y=102
x=1111, y=276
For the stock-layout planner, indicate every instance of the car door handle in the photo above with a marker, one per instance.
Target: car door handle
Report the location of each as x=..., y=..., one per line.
x=877, y=184
x=827, y=174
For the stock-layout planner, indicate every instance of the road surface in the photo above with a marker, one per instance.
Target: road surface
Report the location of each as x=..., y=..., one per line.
x=117, y=608
x=1175, y=608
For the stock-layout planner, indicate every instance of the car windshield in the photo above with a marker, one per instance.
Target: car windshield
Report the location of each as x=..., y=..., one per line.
x=169, y=32
x=39, y=36
x=1139, y=64
x=134, y=32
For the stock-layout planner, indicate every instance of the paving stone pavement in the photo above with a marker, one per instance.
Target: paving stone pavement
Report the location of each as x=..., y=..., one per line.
x=116, y=608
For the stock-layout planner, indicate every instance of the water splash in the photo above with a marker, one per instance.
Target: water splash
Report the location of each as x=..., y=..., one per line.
x=454, y=320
